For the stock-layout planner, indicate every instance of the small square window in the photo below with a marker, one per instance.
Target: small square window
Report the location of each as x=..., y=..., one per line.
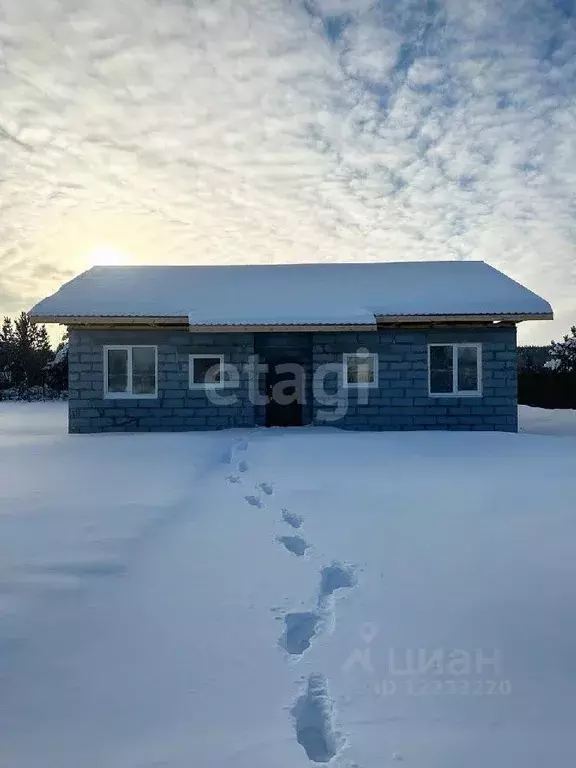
x=454, y=369
x=206, y=371
x=360, y=369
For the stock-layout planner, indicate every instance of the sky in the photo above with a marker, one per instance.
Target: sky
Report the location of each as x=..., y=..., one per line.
x=229, y=131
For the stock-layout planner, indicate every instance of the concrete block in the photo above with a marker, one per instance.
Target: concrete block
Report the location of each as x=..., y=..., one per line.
x=102, y=421
x=425, y=420
x=195, y=421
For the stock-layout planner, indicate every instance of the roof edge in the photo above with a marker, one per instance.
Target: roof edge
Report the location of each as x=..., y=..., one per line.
x=109, y=319
x=516, y=317
x=128, y=320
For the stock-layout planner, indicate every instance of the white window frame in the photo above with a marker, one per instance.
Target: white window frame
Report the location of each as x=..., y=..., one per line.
x=129, y=395
x=202, y=384
x=360, y=384
x=455, y=391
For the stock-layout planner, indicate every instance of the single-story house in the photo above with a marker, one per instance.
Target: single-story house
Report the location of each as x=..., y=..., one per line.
x=372, y=346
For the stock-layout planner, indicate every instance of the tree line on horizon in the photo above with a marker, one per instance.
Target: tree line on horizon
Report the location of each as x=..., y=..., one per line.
x=558, y=356
x=29, y=367
x=547, y=374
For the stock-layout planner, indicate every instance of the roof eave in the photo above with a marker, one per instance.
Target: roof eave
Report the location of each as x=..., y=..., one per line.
x=283, y=327
x=514, y=317
x=180, y=320
x=109, y=319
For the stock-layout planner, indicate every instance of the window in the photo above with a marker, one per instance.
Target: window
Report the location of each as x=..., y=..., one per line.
x=130, y=371
x=360, y=369
x=454, y=369
x=206, y=371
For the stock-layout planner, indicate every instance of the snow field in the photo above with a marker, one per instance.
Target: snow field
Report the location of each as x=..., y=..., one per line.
x=286, y=597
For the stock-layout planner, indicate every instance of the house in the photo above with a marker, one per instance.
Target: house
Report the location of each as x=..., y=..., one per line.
x=372, y=346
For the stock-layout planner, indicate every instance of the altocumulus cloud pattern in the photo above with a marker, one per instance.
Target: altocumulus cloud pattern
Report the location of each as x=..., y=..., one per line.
x=276, y=130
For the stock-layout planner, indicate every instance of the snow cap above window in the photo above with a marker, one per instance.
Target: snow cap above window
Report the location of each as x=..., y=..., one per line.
x=293, y=294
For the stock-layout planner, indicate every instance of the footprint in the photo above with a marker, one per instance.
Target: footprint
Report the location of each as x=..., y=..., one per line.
x=336, y=576
x=292, y=518
x=243, y=466
x=255, y=501
x=313, y=715
x=268, y=488
x=239, y=444
x=295, y=544
x=233, y=479
x=299, y=629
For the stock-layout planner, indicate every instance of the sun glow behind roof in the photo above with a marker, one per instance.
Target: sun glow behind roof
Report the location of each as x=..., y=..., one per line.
x=106, y=255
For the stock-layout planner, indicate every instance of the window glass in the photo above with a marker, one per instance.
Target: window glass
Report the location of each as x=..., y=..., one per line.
x=117, y=370
x=441, y=369
x=360, y=369
x=467, y=369
x=143, y=370
x=206, y=370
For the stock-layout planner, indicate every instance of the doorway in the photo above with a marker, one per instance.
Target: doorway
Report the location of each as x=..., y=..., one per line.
x=287, y=382
x=285, y=394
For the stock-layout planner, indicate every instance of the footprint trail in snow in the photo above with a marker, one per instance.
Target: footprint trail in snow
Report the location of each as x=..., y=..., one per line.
x=313, y=711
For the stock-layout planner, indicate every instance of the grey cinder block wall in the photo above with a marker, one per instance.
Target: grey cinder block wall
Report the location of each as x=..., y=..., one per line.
x=177, y=408
x=400, y=401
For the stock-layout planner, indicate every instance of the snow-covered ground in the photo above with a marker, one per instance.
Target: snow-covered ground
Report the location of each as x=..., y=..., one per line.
x=285, y=597
x=543, y=421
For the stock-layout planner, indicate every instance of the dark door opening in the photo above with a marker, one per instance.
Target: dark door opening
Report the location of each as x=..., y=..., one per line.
x=285, y=394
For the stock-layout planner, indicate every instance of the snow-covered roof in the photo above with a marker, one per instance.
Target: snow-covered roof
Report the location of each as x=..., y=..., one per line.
x=286, y=294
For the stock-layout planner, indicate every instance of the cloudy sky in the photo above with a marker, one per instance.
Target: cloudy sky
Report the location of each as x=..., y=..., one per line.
x=184, y=131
